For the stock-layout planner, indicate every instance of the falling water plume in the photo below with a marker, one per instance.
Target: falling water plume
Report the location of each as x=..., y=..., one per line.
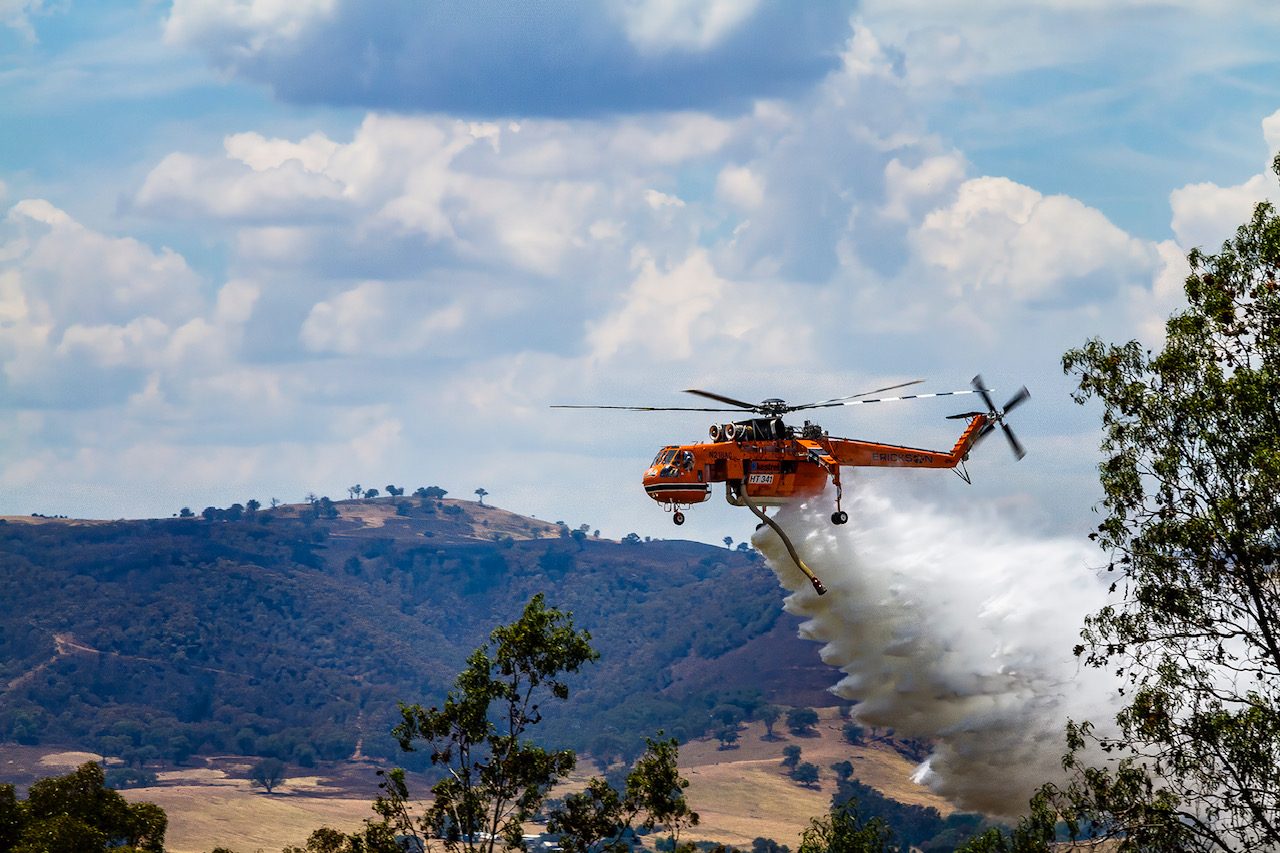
x=951, y=629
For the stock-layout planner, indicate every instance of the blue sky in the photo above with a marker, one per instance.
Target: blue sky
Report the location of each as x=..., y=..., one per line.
x=255, y=250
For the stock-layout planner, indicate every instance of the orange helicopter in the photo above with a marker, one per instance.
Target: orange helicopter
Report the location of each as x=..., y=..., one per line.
x=763, y=461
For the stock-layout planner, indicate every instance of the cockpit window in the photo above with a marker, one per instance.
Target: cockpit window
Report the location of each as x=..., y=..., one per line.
x=664, y=457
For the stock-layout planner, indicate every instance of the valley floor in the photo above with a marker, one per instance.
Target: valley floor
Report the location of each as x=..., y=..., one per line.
x=740, y=793
x=743, y=793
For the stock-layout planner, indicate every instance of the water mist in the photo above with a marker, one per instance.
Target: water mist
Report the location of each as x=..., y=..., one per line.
x=954, y=629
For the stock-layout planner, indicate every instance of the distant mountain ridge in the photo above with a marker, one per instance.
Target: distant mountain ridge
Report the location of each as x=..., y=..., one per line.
x=293, y=631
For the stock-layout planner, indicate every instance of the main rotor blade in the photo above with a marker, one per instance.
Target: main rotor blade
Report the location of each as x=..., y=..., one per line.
x=1017, y=399
x=981, y=388
x=854, y=396
x=648, y=408
x=881, y=400
x=723, y=399
x=1018, y=450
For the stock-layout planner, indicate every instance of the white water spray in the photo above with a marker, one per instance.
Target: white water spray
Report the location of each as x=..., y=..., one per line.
x=957, y=630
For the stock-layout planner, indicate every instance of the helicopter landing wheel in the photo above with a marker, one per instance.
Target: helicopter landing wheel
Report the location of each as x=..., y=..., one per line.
x=840, y=517
x=678, y=518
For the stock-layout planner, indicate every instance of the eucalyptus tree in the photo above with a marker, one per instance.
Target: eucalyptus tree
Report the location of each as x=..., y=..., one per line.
x=495, y=778
x=601, y=819
x=1191, y=527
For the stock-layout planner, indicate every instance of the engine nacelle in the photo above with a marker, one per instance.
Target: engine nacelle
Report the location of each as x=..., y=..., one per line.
x=756, y=429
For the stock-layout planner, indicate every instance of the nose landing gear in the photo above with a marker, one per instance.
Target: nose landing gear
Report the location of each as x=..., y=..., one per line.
x=839, y=517
x=678, y=517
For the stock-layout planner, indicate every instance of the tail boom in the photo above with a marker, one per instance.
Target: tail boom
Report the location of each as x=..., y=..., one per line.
x=869, y=454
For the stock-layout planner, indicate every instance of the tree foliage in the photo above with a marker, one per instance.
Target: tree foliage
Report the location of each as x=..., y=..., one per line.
x=728, y=737
x=767, y=845
x=1035, y=833
x=801, y=721
x=913, y=826
x=854, y=733
x=267, y=773
x=768, y=714
x=806, y=774
x=78, y=812
x=1191, y=477
x=599, y=819
x=494, y=779
x=375, y=839
x=847, y=829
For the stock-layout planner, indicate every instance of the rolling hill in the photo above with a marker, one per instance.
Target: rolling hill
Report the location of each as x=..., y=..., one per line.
x=293, y=632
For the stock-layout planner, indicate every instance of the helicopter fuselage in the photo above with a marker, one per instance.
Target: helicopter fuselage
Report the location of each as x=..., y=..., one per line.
x=767, y=462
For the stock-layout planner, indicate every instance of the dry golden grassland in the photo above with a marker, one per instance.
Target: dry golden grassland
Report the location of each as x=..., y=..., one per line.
x=740, y=793
x=209, y=813
x=214, y=805
x=486, y=521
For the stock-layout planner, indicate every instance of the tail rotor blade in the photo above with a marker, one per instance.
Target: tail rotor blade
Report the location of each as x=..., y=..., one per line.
x=996, y=416
x=1018, y=450
x=1017, y=399
x=981, y=388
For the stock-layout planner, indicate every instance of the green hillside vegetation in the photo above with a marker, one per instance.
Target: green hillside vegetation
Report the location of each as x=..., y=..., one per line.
x=293, y=632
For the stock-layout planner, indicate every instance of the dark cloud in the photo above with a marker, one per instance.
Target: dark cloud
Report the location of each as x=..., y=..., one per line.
x=510, y=58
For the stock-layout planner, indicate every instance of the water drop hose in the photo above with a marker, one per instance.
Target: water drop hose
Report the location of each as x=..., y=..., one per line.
x=813, y=579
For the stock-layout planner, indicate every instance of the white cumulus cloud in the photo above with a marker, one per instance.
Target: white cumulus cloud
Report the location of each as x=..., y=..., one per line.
x=227, y=188
x=1206, y=214
x=79, y=275
x=657, y=26
x=260, y=154
x=82, y=309
x=740, y=186
x=1005, y=239
x=249, y=25
x=16, y=14
x=684, y=310
x=910, y=192
x=373, y=319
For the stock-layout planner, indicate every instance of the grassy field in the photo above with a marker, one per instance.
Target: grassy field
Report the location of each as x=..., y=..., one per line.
x=743, y=793
x=211, y=803
x=740, y=793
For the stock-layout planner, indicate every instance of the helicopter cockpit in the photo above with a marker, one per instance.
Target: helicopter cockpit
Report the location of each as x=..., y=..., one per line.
x=672, y=462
